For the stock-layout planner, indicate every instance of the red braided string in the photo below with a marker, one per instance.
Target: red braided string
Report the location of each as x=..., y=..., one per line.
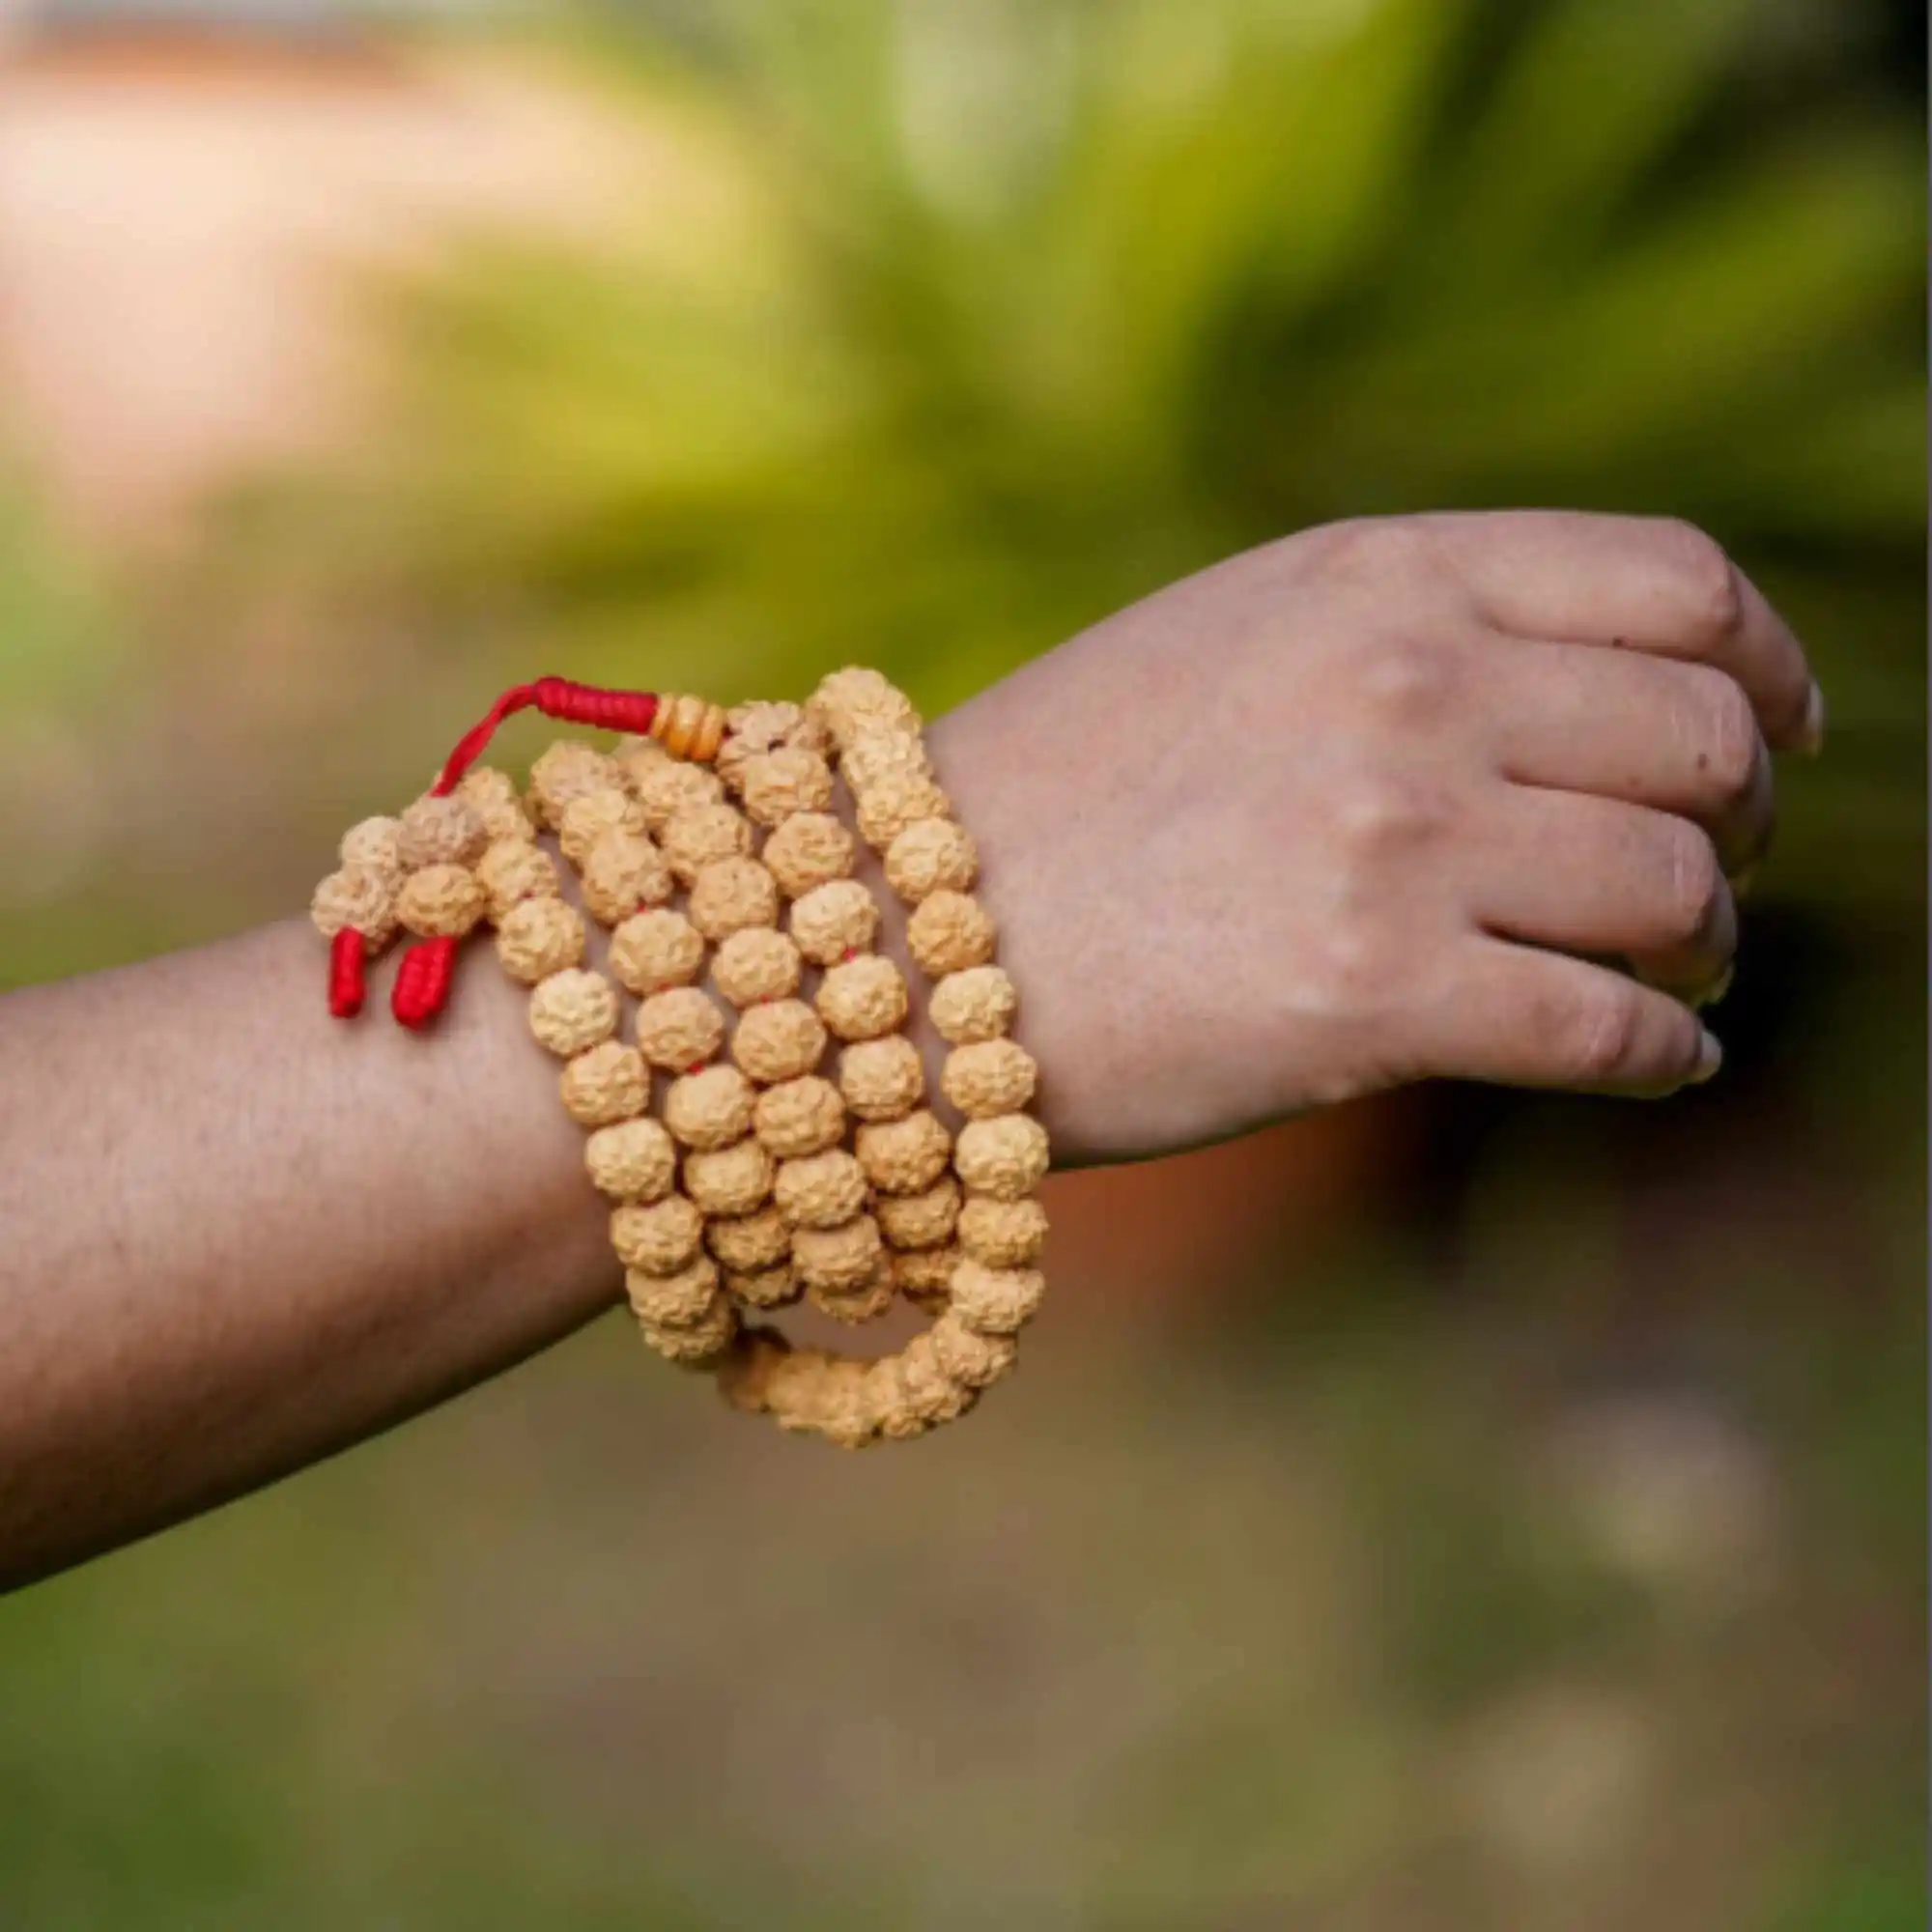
x=557, y=698
x=347, y=951
x=423, y=981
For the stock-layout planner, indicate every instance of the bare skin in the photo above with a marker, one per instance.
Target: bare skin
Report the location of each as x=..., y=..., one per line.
x=1351, y=811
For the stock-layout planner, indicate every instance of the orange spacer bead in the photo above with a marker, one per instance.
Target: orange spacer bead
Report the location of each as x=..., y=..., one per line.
x=689, y=726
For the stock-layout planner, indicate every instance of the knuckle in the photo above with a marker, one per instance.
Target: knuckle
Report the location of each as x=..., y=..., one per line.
x=1597, y=1040
x=1405, y=680
x=1364, y=548
x=1712, y=590
x=1381, y=816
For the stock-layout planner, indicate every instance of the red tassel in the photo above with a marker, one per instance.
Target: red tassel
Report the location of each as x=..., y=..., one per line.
x=423, y=981
x=346, y=952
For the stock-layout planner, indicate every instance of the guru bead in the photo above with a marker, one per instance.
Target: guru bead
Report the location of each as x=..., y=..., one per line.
x=948, y=932
x=810, y=849
x=665, y=787
x=897, y=800
x=709, y=1109
x=442, y=832
x=573, y=1009
x=833, y=920
x=969, y=1357
x=820, y=1190
x=567, y=771
x=863, y=998
x=783, y=1039
x=658, y=1239
x=750, y=1243
x=731, y=894
x=1001, y=1234
x=672, y=1297
x=903, y=1156
x=356, y=899
x=651, y=950
x=512, y=869
x=974, y=1004
x=994, y=1076
x=731, y=1181
x=538, y=937
x=688, y=727
x=623, y=872
x=783, y=782
x=604, y=1084
x=1005, y=1157
x=701, y=834
x=585, y=820
x=881, y=1079
x=758, y=963
x=375, y=845
x=922, y=1220
x=799, y=1116
x=679, y=1029
x=996, y=1301
x=842, y=1260
x=636, y=1160
x=440, y=901
x=929, y=855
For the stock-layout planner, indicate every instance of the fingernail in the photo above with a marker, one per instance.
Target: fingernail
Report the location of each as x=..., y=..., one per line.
x=1812, y=734
x=1716, y=990
x=1710, y=1057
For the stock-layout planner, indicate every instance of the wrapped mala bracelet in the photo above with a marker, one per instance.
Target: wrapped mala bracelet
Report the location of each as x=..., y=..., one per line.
x=716, y=1132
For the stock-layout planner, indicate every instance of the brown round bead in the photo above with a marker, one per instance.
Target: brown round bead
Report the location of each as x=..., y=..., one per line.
x=1005, y=1157
x=573, y=1009
x=874, y=756
x=863, y=998
x=809, y=850
x=948, y=933
x=781, y=782
x=665, y=787
x=538, y=937
x=1001, y=1234
x=634, y=756
x=375, y=845
x=604, y=1083
x=679, y=1029
x=442, y=832
x=701, y=1343
x=996, y=1301
x=925, y=1275
x=750, y=1243
x=782, y=1039
x=994, y=1076
x=869, y=1300
x=745, y=1374
x=636, y=1160
x=882, y=1079
x=672, y=1297
x=799, y=1116
x=842, y=1260
x=730, y=1180
x=701, y=835
x=974, y=1004
x=658, y=1239
x=932, y=855
x=711, y=1108
x=903, y=1156
x=969, y=1357
x=356, y=899
x=896, y=801
x=926, y=1394
x=858, y=698
x=761, y=727
x=758, y=963
x=514, y=870
x=441, y=902
x=769, y=1288
x=820, y=1190
x=835, y=920
x=623, y=872
x=924, y=1220
x=587, y=817
x=730, y=895
x=493, y=795
x=651, y=950
x=566, y=771
x=843, y=1414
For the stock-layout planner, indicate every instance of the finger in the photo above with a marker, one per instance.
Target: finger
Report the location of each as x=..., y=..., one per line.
x=1680, y=737
x=1591, y=875
x=1654, y=584
x=1524, y=1018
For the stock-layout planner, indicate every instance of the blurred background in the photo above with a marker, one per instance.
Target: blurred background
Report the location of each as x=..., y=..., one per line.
x=1511, y=1513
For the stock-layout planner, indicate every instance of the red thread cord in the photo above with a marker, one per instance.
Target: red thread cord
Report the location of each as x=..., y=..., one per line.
x=346, y=952
x=423, y=981
x=557, y=698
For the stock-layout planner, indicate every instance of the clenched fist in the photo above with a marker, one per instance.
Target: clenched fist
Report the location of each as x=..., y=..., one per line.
x=1375, y=804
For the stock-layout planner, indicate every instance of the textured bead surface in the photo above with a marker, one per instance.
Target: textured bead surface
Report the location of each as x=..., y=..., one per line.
x=701, y=835
x=967, y=1357
x=375, y=845
x=538, y=937
x=809, y=850
x=764, y=723
x=566, y=771
x=843, y=1413
x=634, y=757
x=750, y=1243
x=996, y=1301
x=758, y=963
x=916, y=1393
x=585, y=820
x=896, y=801
x=672, y=1297
x=604, y=1084
x=665, y=787
x=623, y=872
x=636, y=1160
x=832, y=920
x=922, y=1220
x=1001, y=1234
x=660, y=1237
x=820, y=1190
x=881, y=1079
x=356, y=899
x=783, y=1039
x=440, y=901
x=994, y=1076
x=1005, y=1157
x=925, y=1275
x=903, y=1156
x=730, y=895
x=865, y=1301
x=799, y=1116
x=844, y=1258
x=932, y=855
x=710, y=1109
x=697, y=1344
x=974, y=1004
x=573, y=1009
x=493, y=794
x=874, y=757
x=511, y=870
x=442, y=832
x=768, y=1287
x=679, y=1029
x=732, y=1181
x=948, y=933
x=863, y=998
x=783, y=782
x=653, y=950
x=858, y=698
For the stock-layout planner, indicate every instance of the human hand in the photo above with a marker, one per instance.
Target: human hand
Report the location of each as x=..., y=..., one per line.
x=1364, y=806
